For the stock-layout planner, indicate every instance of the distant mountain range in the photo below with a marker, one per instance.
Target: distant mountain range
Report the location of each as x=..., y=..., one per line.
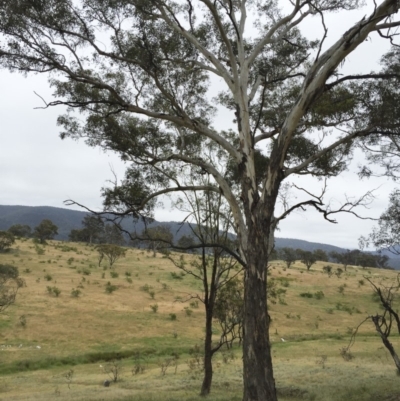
x=66, y=220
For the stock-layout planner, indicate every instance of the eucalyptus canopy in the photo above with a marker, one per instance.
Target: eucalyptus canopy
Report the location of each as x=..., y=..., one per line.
x=139, y=73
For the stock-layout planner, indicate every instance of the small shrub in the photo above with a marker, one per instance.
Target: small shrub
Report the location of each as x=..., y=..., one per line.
x=152, y=294
x=75, y=293
x=22, y=321
x=361, y=282
x=48, y=277
x=188, y=312
x=154, y=308
x=53, y=291
x=176, y=276
x=56, y=291
x=114, y=274
x=328, y=270
x=321, y=361
x=146, y=288
x=110, y=288
x=128, y=274
x=194, y=304
x=306, y=295
x=86, y=271
x=129, y=280
x=341, y=289
x=39, y=250
x=319, y=295
x=172, y=316
x=27, y=270
x=339, y=272
x=346, y=354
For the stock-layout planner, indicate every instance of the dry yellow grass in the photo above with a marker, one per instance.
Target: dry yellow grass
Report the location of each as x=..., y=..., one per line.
x=70, y=331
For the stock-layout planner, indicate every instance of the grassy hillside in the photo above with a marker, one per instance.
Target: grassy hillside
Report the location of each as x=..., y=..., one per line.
x=146, y=320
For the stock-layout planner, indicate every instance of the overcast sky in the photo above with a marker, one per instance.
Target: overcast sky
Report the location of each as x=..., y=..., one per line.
x=39, y=169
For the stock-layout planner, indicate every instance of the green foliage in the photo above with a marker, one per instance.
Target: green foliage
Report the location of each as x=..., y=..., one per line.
x=350, y=309
x=288, y=255
x=20, y=230
x=111, y=252
x=114, y=274
x=6, y=241
x=10, y=283
x=317, y=295
x=45, y=230
x=307, y=257
x=154, y=308
x=48, y=277
x=66, y=248
x=172, y=316
x=275, y=293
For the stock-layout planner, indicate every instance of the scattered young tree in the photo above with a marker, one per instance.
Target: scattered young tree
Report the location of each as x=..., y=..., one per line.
x=20, y=230
x=288, y=255
x=345, y=258
x=321, y=255
x=385, y=320
x=307, y=257
x=217, y=270
x=387, y=234
x=143, y=93
x=93, y=227
x=111, y=252
x=6, y=241
x=112, y=235
x=79, y=235
x=157, y=239
x=185, y=243
x=45, y=230
x=10, y=283
x=92, y=231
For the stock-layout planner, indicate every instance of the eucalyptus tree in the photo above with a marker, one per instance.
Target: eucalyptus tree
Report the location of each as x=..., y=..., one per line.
x=387, y=234
x=139, y=71
x=45, y=230
x=216, y=265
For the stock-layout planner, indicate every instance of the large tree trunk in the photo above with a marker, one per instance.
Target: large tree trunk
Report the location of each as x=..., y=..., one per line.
x=208, y=354
x=259, y=382
x=258, y=377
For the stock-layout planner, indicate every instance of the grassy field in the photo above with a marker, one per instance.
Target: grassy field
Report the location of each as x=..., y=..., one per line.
x=146, y=320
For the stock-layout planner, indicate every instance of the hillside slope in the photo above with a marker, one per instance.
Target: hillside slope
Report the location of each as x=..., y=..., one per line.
x=67, y=219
